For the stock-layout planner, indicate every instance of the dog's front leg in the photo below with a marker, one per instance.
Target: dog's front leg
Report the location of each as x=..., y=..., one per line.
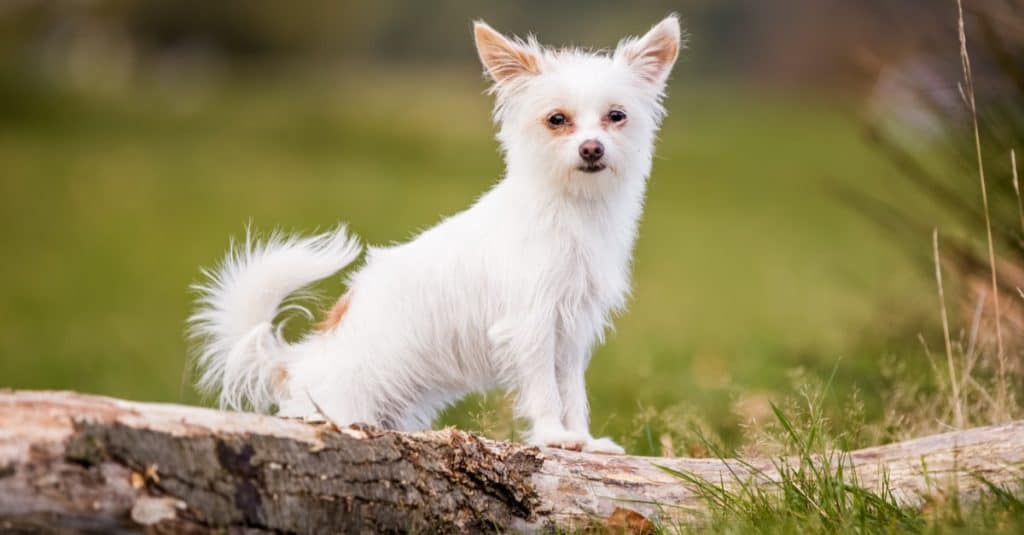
x=570, y=371
x=575, y=408
x=540, y=402
x=527, y=352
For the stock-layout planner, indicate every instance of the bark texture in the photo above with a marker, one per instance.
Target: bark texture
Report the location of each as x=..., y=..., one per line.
x=79, y=463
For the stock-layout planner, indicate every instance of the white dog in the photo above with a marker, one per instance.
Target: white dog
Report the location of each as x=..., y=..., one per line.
x=512, y=293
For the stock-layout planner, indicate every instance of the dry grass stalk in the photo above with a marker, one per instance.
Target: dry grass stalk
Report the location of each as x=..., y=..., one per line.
x=968, y=91
x=1016, y=190
x=957, y=404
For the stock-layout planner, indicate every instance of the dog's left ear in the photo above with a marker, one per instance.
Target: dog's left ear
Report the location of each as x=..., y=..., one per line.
x=504, y=58
x=652, y=56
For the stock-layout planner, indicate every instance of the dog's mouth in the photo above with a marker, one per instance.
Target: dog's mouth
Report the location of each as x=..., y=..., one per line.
x=591, y=167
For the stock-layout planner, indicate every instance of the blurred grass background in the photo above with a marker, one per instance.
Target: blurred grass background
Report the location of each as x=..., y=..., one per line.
x=115, y=188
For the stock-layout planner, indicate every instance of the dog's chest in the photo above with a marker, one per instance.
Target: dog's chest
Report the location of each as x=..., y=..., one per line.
x=591, y=275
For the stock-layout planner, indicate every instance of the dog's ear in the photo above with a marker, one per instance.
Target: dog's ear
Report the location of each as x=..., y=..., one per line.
x=653, y=55
x=504, y=58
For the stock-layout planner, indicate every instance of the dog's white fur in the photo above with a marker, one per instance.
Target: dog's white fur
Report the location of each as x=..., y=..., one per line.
x=513, y=292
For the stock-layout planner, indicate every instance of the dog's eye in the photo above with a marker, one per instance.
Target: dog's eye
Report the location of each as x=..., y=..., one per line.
x=616, y=116
x=557, y=119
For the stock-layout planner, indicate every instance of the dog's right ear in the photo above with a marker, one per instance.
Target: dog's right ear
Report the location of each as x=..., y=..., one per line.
x=504, y=58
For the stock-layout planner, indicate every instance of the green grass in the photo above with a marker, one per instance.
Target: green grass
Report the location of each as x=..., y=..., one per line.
x=746, y=267
x=816, y=491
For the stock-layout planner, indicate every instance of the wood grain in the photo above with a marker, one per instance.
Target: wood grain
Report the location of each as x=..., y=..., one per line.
x=77, y=462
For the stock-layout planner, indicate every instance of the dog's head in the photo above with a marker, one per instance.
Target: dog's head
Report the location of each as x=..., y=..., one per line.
x=584, y=120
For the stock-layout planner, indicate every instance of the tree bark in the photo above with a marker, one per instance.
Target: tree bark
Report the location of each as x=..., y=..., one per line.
x=78, y=463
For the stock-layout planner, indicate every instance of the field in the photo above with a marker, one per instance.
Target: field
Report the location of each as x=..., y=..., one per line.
x=747, y=267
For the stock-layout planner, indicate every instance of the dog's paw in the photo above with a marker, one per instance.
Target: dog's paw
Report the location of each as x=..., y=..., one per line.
x=603, y=445
x=560, y=438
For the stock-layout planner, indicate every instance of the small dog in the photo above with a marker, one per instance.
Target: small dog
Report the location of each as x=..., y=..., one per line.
x=512, y=293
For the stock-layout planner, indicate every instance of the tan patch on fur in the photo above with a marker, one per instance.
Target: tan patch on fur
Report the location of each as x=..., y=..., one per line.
x=607, y=123
x=335, y=314
x=503, y=58
x=560, y=130
x=655, y=56
x=666, y=50
x=280, y=380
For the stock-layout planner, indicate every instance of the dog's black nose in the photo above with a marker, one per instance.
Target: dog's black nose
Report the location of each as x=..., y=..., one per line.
x=591, y=150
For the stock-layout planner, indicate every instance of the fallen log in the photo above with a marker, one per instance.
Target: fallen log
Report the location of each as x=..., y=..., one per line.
x=86, y=463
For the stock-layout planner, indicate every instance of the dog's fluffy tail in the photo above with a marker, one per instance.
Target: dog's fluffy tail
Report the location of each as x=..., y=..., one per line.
x=240, y=350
